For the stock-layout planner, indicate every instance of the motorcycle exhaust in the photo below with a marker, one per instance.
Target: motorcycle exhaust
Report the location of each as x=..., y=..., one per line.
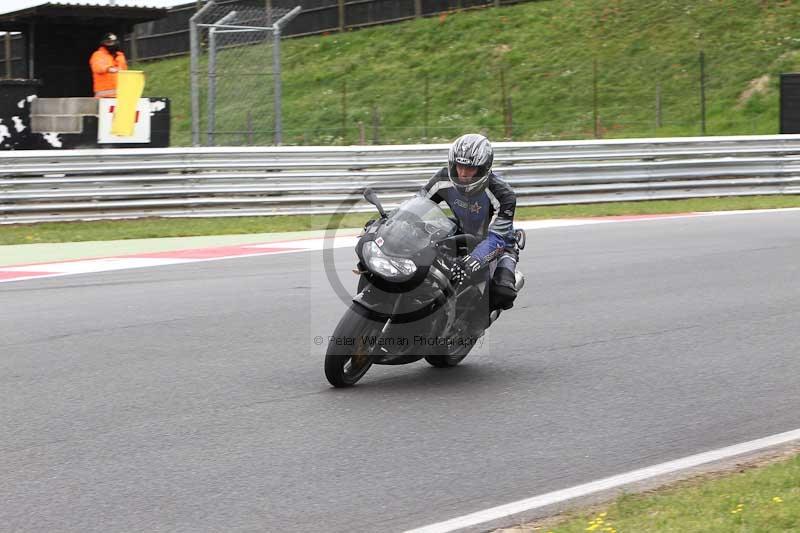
x=519, y=280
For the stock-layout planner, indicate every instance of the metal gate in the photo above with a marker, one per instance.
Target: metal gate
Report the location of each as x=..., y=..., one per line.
x=236, y=74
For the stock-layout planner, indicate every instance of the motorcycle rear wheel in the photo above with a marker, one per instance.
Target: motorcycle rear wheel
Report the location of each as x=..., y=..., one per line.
x=348, y=357
x=450, y=357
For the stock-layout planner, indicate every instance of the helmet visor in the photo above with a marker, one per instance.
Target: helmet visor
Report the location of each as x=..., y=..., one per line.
x=467, y=174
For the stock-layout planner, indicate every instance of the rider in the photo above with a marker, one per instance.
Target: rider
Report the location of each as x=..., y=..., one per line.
x=484, y=205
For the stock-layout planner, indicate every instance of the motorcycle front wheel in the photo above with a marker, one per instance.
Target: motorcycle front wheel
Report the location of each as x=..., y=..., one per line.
x=349, y=353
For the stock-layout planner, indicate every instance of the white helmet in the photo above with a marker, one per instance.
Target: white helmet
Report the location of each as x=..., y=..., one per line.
x=472, y=150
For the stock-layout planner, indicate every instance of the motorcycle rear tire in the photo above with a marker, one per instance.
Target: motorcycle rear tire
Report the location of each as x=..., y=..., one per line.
x=449, y=357
x=347, y=358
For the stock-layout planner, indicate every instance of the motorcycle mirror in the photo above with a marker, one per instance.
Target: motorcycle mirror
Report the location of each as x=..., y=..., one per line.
x=371, y=197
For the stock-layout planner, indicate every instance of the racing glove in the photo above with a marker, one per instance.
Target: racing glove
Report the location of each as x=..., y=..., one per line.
x=464, y=269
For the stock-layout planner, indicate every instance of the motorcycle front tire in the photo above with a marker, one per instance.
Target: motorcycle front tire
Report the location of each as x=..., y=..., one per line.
x=348, y=357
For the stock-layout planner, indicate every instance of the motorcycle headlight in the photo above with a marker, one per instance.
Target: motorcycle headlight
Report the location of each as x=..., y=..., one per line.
x=390, y=268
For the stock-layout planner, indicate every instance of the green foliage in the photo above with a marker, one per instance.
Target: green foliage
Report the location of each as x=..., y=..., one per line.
x=759, y=500
x=546, y=50
x=169, y=227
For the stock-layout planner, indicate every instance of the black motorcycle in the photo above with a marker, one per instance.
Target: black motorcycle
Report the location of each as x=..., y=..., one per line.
x=406, y=308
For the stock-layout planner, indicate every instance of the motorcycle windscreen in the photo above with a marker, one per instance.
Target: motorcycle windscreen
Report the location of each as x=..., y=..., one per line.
x=413, y=226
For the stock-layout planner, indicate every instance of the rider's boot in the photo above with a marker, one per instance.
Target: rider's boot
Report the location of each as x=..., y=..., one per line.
x=503, y=290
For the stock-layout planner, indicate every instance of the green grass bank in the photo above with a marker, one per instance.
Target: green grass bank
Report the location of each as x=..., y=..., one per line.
x=187, y=227
x=522, y=72
x=759, y=500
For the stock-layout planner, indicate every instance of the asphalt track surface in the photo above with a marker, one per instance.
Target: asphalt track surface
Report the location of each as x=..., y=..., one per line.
x=192, y=398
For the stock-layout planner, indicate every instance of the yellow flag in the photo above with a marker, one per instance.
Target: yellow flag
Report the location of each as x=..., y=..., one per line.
x=130, y=85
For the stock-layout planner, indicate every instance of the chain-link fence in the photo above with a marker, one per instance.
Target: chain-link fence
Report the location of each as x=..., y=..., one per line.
x=676, y=94
x=169, y=36
x=236, y=74
x=670, y=95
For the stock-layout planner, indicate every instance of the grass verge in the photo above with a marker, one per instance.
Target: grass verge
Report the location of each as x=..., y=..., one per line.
x=187, y=227
x=765, y=499
x=549, y=69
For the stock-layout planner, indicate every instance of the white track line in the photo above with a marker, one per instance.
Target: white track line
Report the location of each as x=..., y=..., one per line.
x=559, y=496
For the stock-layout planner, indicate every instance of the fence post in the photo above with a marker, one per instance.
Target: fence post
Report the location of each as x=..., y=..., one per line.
x=341, y=15
x=31, y=39
x=376, y=125
x=277, y=82
x=344, y=111
x=702, y=92
x=362, y=134
x=194, y=45
x=9, y=64
x=658, y=104
x=510, y=123
x=211, y=97
x=194, y=38
x=427, y=107
x=417, y=8
x=134, y=45
x=504, y=103
x=595, y=112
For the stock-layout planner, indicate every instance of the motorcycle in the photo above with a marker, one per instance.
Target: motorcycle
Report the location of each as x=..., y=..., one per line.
x=406, y=307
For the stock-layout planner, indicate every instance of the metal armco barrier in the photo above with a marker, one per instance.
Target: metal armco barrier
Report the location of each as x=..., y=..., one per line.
x=215, y=182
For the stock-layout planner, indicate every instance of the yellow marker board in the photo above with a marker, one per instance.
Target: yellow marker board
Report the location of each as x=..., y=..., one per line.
x=130, y=85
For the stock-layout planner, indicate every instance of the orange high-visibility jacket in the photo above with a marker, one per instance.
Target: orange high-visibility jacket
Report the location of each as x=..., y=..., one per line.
x=105, y=82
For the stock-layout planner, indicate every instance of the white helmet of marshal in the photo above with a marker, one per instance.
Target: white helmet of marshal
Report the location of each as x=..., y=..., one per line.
x=472, y=150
